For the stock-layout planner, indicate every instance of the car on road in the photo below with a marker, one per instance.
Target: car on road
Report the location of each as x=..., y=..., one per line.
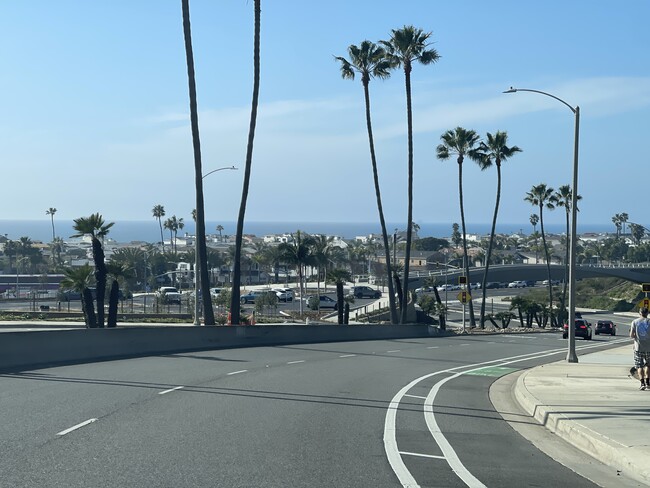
x=490, y=285
x=214, y=292
x=446, y=287
x=582, y=329
x=605, y=327
x=553, y=282
x=424, y=289
x=253, y=295
x=284, y=294
x=365, y=292
x=321, y=301
x=474, y=286
x=517, y=284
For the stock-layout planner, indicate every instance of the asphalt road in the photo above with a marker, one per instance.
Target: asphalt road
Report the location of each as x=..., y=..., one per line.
x=363, y=414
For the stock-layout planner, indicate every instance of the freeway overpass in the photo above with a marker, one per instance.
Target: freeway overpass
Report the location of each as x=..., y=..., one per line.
x=636, y=273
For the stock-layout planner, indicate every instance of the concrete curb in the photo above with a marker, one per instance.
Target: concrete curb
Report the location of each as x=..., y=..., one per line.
x=630, y=460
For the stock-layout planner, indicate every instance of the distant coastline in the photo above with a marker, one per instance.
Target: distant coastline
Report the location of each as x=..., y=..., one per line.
x=148, y=230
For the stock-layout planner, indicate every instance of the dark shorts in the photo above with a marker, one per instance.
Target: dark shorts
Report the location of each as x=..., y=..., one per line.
x=641, y=359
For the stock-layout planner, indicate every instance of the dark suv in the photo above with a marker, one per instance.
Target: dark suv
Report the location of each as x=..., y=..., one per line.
x=582, y=328
x=365, y=292
x=606, y=327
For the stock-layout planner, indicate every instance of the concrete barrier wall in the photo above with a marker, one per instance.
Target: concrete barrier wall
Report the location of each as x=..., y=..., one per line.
x=30, y=349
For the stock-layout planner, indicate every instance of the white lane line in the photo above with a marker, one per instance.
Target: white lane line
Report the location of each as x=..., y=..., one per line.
x=421, y=455
x=296, y=362
x=170, y=390
x=75, y=427
x=433, y=347
x=464, y=344
x=238, y=372
x=396, y=350
x=416, y=396
x=347, y=356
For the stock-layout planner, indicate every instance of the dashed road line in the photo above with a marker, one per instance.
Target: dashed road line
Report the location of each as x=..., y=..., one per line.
x=433, y=347
x=170, y=390
x=238, y=372
x=347, y=356
x=296, y=362
x=75, y=427
x=396, y=350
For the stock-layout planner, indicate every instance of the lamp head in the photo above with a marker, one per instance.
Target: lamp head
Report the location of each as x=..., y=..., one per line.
x=511, y=90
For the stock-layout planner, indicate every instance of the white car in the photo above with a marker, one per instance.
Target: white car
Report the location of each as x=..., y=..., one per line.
x=474, y=286
x=517, y=284
x=284, y=294
x=447, y=287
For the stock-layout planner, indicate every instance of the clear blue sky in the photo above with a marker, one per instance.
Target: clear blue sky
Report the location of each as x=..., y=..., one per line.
x=94, y=108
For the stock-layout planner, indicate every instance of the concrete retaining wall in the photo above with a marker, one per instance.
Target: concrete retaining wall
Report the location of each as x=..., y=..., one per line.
x=30, y=349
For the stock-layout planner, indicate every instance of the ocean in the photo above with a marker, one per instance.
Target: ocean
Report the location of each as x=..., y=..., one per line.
x=149, y=231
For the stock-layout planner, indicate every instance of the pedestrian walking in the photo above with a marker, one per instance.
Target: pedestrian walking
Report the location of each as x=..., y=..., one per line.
x=640, y=332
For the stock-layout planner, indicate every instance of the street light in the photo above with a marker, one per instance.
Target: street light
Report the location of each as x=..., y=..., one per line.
x=571, y=352
x=197, y=308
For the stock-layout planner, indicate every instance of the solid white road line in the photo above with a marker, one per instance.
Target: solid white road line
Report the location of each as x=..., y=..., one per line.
x=171, y=389
x=295, y=362
x=347, y=356
x=75, y=427
x=238, y=372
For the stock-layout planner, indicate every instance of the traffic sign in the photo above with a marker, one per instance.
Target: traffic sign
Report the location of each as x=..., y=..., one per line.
x=464, y=297
x=644, y=303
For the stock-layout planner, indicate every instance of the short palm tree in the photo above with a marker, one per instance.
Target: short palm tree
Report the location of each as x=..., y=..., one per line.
x=79, y=279
x=298, y=253
x=369, y=61
x=563, y=198
x=220, y=230
x=494, y=151
x=406, y=46
x=51, y=211
x=460, y=142
x=234, y=301
x=541, y=196
x=339, y=277
x=97, y=229
x=158, y=212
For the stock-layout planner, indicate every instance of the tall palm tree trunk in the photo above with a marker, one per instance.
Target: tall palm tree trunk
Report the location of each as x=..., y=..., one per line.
x=566, y=265
x=100, y=278
x=234, y=304
x=472, y=320
x=548, y=264
x=409, y=219
x=490, y=245
x=208, y=313
x=391, y=292
x=162, y=239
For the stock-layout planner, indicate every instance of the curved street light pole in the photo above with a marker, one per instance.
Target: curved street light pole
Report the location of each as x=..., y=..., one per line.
x=197, y=300
x=571, y=352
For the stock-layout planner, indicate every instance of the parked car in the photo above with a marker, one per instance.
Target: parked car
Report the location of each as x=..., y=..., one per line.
x=214, y=292
x=517, y=284
x=447, y=287
x=582, y=329
x=171, y=297
x=553, y=282
x=530, y=282
x=474, y=286
x=492, y=284
x=284, y=294
x=605, y=327
x=424, y=289
x=365, y=292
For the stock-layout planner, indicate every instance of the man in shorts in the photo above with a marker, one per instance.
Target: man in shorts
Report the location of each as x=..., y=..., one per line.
x=640, y=332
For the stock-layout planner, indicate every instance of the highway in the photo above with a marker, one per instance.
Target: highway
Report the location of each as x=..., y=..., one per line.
x=394, y=413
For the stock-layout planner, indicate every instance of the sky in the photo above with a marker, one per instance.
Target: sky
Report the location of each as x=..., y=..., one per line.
x=94, y=108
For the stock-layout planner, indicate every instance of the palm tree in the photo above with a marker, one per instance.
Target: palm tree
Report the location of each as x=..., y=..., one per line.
x=494, y=151
x=158, y=212
x=234, y=301
x=220, y=230
x=97, y=229
x=369, y=60
x=460, y=142
x=405, y=46
x=616, y=220
x=534, y=220
x=624, y=218
x=169, y=225
x=542, y=196
x=208, y=312
x=563, y=198
x=298, y=253
x=340, y=277
x=320, y=247
x=79, y=279
x=51, y=211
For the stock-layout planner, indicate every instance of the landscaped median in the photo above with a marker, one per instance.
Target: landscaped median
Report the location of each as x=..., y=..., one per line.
x=31, y=349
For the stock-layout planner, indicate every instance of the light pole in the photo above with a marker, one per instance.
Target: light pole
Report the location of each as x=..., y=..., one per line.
x=197, y=300
x=571, y=352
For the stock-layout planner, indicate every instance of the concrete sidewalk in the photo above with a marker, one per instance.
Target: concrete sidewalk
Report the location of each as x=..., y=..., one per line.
x=595, y=406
